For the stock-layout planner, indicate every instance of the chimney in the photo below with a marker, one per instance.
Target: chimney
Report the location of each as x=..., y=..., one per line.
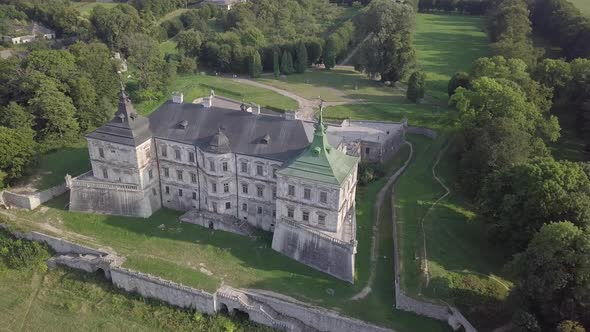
x=177, y=97
x=290, y=115
x=257, y=111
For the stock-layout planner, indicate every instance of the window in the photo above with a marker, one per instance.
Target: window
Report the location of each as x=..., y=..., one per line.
x=212, y=165
x=105, y=173
x=227, y=205
x=290, y=213
x=305, y=216
x=154, y=192
x=244, y=167
x=260, y=191
x=307, y=193
x=166, y=172
x=274, y=192
x=274, y=173
x=259, y=210
x=291, y=190
x=323, y=197
x=179, y=175
x=194, y=196
x=193, y=178
x=177, y=154
x=150, y=174
x=167, y=190
x=226, y=187
x=164, y=150
x=321, y=219
x=274, y=213
x=191, y=157
x=259, y=170
x=214, y=206
x=101, y=152
x=224, y=166
x=214, y=187
x=180, y=192
x=244, y=207
x=367, y=150
x=244, y=188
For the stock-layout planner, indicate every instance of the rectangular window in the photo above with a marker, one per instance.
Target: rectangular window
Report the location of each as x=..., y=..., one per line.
x=274, y=192
x=227, y=205
x=214, y=205
x=164, y=150
x=193, y=178
x=274, y=173
x=177, y=154
x=244, y=207
x=105, y=173
x=291, y=190
x=244, y=188
x=180, y=192
x=214, y=187
x=154, y=192
x=150, y=174
x=179, y=175
x=321, y=220
x=307, y=193
x=244, y=167
x=167, y=190
x=290, y=213
x=212, y=165
x=367, y=150
x=191, y=157
x=101, y=152
x=224, y=166
x=259, y=210
x=323, y=197
x=166, y=172
x=194, y=196
x=274, y=213
x=305, y=216
x=260, y=191
x=259, y=170
x=226, y=187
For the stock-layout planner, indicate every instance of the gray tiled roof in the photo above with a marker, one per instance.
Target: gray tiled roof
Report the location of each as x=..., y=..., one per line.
x=244, y=131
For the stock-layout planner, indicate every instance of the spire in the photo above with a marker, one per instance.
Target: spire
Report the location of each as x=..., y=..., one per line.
x=125, y=111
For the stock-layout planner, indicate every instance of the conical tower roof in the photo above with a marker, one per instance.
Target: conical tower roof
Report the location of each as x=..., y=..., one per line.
x=320, y=161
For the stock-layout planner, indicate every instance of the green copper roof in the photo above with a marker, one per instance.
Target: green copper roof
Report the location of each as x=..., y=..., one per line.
x=320, y=161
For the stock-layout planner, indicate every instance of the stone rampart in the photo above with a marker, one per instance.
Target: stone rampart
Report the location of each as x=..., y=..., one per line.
x=32, y=200
x=170, y=292
x=422, y=131
x=60, y=246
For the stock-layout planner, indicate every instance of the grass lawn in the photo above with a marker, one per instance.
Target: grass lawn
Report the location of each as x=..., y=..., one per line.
x=569, y=146
x=583, y=6
x=188, y=253
x=86, y=8
x=50, y=169
x=169, y=47
x=67, y=300
x=195, y=86
x=446, y=44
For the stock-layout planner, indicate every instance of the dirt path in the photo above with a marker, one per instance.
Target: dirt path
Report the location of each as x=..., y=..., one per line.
x=36, y=282
x=447, y=193
x=376, y=214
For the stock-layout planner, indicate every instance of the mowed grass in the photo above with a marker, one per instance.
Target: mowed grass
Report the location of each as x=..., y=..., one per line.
x=67, y=300
x=203, y=258
x=582, y=5
x=446, y=44
x=462, y=269
x=195, y=86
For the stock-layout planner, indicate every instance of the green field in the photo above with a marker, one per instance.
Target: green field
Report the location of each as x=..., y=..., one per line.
x=86, y=8
x=446, y=44
x=583, y=5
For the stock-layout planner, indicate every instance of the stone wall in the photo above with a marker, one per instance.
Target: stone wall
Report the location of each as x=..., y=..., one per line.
x=422, y=131
x=33, y=200
x=314, y=249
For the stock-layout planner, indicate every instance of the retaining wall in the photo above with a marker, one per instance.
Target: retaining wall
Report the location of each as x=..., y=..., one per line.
x=33, y=200
x=422, y=131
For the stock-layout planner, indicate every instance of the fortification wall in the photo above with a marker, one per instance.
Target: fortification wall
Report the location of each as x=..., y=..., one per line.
x=33, y=200
x=152, y=287
x=311, y=248
x=60, y=246
x=113, y=201
x=422, y=131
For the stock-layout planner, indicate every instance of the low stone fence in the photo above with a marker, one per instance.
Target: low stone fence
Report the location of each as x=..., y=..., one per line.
x=422, y=131
x=33, y=200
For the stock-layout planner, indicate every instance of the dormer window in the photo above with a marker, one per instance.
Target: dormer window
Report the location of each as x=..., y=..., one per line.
x=266, y=139
x=183, y=124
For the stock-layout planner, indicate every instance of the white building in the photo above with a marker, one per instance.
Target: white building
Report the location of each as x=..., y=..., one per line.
x=22, y=34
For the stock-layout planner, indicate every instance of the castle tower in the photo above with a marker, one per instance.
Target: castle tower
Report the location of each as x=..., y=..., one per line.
x=124, y=178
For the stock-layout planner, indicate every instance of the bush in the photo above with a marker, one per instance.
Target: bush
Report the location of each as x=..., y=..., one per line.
x=22, y=254
x=369, y=172
x=416, y=86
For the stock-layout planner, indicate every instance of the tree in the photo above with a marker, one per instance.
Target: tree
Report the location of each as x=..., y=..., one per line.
x=525, y=322
x=95, y=60
x=190, y=42
x=554, y=273
x=16, y=151
x=187, y=65
x=459, y=79
x=389, y=50
x=301, y=58
x=14, y=116
x=416, y=86
x=112, y=25
x=276, y=66
x=287, y=63
x=554, y=74
x=314, y=50
x=144, y=54
x=570, y=326
x=255, y=65
x=330, y=53
x=517, y=201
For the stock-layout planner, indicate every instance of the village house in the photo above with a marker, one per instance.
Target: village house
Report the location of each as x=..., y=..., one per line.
x=27, y=32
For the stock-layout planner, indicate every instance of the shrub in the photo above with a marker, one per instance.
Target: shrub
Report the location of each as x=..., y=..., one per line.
x=22, y=254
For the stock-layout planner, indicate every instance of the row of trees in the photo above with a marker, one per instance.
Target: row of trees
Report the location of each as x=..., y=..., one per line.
x=466, y=7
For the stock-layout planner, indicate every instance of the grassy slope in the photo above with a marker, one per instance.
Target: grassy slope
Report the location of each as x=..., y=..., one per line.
x=446, y=44
x=67, y=300
x=583, y=5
